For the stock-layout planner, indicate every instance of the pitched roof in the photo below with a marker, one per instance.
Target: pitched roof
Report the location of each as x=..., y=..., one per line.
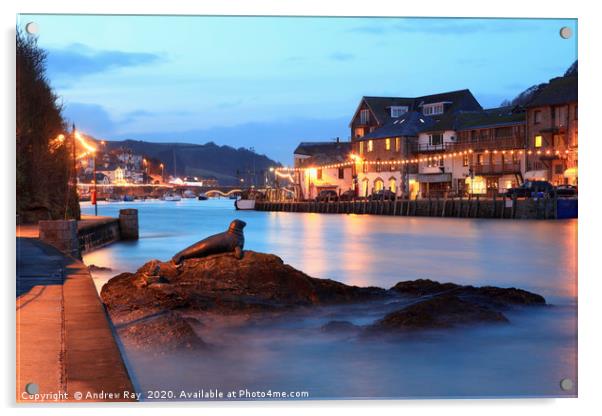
x=321, y=153
x=458, y=100
x=559, y=90
x=409, y=125
x=492, y=117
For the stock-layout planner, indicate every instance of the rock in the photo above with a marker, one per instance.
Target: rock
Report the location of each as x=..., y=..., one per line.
x=442, y=311
x=161, y=333
x=225, y=284
x=339, y=326
x=487, y=295
x=422, y=287
x=95, y=268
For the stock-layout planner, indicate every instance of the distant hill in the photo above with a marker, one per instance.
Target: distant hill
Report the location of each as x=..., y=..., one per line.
x=529, y=94
x=224, y=163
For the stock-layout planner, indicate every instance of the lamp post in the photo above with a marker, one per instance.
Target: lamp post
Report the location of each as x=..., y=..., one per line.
x=95, y=189
x=162, y=179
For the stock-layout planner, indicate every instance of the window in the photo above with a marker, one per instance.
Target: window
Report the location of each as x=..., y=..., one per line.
x=432, y=109
x=393, y=185
x=435, y=139
x=465, y=160
x=387, y=144
x=341, y=173
x=359, y=132
x=397, y=144
x=560, y=116
x=364, y=116
x=370, y=145
x=361, y=148
x=537, y=117
x=480, y=159
x=378, y=185
x=538, y=141
x=398, y=111
x=364, y=167
x=319, y=175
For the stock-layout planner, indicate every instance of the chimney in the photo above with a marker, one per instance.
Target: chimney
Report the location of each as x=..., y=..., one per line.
x=338, y=140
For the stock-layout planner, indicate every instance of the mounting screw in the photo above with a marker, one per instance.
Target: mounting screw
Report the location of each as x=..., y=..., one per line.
x=565, y=32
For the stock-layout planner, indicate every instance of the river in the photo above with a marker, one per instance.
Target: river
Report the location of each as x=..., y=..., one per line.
x=527, y=358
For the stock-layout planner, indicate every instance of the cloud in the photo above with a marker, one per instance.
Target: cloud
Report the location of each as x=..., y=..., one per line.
x=342, y=56
x=448, y=27
x=91, y=118
x=78, y=60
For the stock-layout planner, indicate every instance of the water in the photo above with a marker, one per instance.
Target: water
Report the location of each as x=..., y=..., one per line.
x=529, y=357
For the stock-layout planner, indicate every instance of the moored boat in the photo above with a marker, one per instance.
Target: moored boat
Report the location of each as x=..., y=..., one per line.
x=171, y=196
x=244, y=204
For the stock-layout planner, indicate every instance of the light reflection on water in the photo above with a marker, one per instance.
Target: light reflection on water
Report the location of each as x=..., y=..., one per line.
x=526, y=358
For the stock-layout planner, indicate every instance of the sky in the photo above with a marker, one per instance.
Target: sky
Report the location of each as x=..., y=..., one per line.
x=272, y=82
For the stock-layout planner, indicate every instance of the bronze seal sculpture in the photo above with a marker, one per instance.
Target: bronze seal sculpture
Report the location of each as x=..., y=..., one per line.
x=232, y=240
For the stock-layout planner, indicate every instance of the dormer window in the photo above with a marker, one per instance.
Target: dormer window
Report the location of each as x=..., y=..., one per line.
x=398, y=111
x=432, y=109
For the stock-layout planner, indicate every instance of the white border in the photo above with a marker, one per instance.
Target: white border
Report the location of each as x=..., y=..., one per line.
x=589, y=223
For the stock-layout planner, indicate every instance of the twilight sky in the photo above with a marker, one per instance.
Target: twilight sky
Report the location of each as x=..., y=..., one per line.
x=270, y=82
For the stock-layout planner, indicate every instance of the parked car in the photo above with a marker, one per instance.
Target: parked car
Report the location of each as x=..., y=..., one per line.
x=566, y=191
x=532, y=189
x=384, y=194
x=348, y=195
x=326, y=195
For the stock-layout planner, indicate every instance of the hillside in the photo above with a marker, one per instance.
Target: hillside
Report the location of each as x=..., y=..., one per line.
x=225, y=163
x=529, y=94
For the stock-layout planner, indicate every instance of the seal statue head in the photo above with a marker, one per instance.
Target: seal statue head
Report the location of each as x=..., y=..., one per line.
x=236, y=226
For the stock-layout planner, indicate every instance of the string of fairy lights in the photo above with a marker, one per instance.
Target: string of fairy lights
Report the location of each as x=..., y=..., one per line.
x=285, y=172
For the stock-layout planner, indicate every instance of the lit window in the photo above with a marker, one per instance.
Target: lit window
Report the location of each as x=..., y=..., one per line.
x=538, y=141
x=370, y=145
x=397, y=144
x=359, y=132
x=361, y=148
x=465, y=160
x=319, y=174
x=537, y=117
x=387, y=144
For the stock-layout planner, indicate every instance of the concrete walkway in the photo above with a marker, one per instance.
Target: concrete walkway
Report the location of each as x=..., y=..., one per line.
x=65, y=344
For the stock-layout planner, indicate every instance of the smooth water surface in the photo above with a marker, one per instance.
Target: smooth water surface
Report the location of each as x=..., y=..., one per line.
x=529, y=357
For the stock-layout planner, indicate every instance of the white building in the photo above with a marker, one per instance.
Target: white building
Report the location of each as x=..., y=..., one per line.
x=321, y=166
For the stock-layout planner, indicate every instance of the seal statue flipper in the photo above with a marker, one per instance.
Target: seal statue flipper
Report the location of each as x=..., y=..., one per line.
x=232, y=240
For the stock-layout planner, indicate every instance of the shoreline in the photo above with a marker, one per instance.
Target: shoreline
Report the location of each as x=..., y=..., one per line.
x=56, y=295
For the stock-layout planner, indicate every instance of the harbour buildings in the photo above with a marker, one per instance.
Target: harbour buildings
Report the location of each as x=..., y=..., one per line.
x=446, y=144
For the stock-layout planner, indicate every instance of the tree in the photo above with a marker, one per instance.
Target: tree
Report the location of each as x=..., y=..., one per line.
x=45, y=189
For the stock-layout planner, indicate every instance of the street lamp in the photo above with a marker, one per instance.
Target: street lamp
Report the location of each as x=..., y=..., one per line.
x=94, y=178
x=162, y=179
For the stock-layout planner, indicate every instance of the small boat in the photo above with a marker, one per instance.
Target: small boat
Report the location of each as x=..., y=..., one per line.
x=244, y=204
x=203, y=197
x=171, y=196
x=188, y=194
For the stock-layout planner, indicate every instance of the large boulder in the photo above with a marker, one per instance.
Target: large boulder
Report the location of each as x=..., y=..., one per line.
x=486, y=295
x=163, y=332
x=224, y=284
x=443, y=311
